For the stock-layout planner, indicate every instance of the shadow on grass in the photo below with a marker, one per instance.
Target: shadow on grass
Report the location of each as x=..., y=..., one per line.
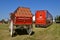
x=21, y=32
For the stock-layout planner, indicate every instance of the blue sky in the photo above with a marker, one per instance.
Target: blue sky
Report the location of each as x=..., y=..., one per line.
x=8, y=6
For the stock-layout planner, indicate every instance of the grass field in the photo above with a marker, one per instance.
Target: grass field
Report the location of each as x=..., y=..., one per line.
x=50, y=33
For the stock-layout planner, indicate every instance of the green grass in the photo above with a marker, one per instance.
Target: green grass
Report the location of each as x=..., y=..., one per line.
x=50, y=33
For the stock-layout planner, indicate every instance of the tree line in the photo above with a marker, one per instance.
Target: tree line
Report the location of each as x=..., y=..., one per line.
x=57, y=19
x=4, y=21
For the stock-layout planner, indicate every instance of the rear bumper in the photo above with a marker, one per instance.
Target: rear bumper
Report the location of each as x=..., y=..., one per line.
x=41, y=24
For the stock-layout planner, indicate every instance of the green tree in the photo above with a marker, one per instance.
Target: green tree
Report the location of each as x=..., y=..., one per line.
x=2, y=20
x=57, y=19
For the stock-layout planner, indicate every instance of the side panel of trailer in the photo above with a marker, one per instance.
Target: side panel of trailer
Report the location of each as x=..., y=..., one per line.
x=49, y=18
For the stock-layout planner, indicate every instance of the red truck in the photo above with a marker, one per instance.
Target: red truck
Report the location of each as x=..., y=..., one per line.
x=43, y=18
x=22, y=18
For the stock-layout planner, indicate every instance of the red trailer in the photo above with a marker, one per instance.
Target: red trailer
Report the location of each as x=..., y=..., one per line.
x=21, y=18
x=43, y=18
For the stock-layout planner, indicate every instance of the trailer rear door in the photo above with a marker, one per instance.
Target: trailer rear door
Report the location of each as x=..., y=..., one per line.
x=41, y=17
x=19, y=20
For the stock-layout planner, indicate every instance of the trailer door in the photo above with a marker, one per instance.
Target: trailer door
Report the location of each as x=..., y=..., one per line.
x=41, y=17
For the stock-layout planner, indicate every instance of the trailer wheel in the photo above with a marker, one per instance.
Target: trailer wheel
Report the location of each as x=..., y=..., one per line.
x=11, y=28
x=29, y=30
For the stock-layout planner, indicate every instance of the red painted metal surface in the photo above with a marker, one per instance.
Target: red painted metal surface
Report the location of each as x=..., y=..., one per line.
x=23, y=21
x=22, y=16
x=40, y=17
